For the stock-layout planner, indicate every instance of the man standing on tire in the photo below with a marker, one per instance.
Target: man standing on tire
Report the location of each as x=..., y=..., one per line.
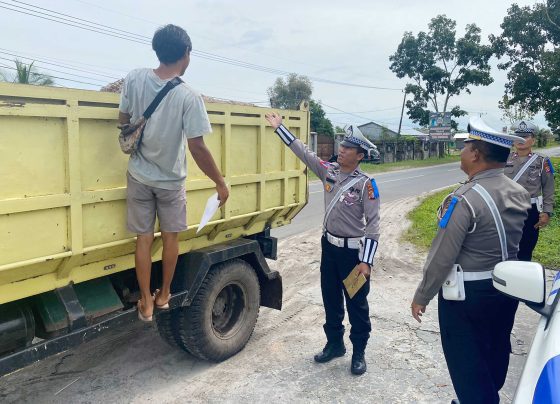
x=350, y=237
x=158, y=169
x=535, y=173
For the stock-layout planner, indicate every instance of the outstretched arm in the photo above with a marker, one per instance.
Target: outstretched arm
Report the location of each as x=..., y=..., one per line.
x=204, y=160
x=300, y=149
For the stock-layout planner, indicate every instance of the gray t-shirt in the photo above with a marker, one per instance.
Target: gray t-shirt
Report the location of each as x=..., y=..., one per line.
x=161, y=160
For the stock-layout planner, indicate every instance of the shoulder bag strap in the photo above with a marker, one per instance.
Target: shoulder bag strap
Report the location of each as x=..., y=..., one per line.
x=336, y=197
x=170, y=85
x=497, y=219
x=525, y=167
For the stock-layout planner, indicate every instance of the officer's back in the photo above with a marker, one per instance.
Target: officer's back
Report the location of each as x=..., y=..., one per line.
x=481, y=248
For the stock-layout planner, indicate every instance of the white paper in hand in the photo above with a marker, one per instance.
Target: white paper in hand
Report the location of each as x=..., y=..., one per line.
x=209, y=211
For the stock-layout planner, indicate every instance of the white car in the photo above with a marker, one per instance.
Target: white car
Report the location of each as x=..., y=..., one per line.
x=526, y=281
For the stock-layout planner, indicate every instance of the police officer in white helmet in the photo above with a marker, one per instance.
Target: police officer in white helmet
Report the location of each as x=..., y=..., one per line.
x=350, y=237
x=480, y=225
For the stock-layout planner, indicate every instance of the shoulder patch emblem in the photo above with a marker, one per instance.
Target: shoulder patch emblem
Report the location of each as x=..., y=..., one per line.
x=446, y=210
x=549, y=167
x=373, y=191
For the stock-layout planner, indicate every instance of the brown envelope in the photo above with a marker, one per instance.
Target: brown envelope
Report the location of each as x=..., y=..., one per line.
x=354, y=282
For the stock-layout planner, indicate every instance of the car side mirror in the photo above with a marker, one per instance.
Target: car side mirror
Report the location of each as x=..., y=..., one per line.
x=522, y=280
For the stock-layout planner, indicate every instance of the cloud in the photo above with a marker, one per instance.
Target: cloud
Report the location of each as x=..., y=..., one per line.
x=334, y=40
x=254, y=38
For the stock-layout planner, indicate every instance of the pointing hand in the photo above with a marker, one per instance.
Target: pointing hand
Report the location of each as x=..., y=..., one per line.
x=274, y=119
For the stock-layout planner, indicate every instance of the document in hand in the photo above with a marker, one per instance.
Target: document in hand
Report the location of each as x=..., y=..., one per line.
x=209, y=211
x=354, y=282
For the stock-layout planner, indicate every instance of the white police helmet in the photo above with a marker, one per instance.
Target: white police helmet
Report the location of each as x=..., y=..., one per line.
x=479, y=130
x=355, y=138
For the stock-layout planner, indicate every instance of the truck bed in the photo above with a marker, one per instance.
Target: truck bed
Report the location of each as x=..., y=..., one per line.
x=63, y=185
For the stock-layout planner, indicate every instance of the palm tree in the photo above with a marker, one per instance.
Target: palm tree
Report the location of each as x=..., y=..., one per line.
x=27, y=74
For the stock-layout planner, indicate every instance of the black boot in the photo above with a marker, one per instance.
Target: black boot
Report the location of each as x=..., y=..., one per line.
x=358, y=363
x=332, y=350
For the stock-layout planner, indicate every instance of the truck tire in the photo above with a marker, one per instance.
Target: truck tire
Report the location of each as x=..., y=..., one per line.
x=167, y=323
x=223, y=314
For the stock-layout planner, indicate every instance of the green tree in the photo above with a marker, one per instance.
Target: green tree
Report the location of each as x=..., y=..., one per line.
x=339, y=129
x=441, y=66
x=291, y=92
x=319, y=122
x=543, y=136
x=530, y=46
x=513, y=112
x=27, y=74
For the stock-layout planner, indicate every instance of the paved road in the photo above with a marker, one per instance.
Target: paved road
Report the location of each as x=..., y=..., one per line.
x=392, y=186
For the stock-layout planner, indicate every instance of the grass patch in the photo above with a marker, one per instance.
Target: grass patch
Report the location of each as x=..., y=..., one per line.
x=547, y=251
x=551, y=143
x=424, y=220
x=424, y=226
x=400, y=165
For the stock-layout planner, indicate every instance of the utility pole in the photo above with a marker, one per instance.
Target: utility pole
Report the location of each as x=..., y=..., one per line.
x=402, y=112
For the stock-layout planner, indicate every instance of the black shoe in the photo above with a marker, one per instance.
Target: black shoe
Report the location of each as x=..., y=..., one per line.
x=331, y=351
x=359, y=366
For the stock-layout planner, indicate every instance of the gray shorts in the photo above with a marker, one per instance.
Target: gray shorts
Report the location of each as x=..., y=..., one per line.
x=144, y=201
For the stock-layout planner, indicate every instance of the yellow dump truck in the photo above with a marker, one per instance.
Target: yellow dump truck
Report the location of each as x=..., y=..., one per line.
x=67, y=259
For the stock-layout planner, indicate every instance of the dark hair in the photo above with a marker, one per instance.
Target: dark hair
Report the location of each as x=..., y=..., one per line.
x=171, y=43
x=492, y=153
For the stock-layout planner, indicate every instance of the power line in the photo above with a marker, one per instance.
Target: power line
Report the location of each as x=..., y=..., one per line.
x=42, y=16
x=77, y=19
x=66, y=62
x=146, y=41
x=54, y=77
x=364, y=112
x=118, y=12
x=75, y=22
x=158, y=24
x=362, y=117
x=56, y=71
x=347, y=113
x=57, y=65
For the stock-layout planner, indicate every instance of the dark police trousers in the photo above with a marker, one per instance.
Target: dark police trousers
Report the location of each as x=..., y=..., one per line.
x=475, y=336
x=530, y=235
x=336, y=265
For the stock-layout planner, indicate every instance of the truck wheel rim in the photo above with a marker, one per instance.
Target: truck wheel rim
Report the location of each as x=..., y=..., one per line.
x=228, y=311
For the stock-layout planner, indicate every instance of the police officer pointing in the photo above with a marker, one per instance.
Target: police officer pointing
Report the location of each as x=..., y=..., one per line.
x=480, y=225
x=350, y=237
x=535, y=173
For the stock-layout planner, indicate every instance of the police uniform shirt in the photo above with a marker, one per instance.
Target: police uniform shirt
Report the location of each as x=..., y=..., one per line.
x=356, y=214
x=467, y=233
x=538, y=178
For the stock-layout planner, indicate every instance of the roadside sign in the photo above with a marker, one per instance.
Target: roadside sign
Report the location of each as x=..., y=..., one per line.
x=440, y=126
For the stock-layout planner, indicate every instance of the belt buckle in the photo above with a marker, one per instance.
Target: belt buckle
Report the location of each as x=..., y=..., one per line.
x=339, y=242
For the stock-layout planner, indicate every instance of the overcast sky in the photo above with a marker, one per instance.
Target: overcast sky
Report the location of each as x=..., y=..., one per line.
x=346, y=41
